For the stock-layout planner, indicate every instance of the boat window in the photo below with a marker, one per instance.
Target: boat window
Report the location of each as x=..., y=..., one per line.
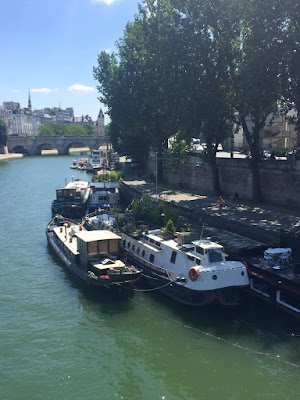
x=173, y=257
x=143, y=253
x=157, y=244
x=151, y=258
x=133, y=247
x=92, y=248
x=191, y=258
x=124, y=242
x=199, y=250
x=151, y=240
x=198, y=261
x=138, y=250
x=128, y=244
x=214, y=255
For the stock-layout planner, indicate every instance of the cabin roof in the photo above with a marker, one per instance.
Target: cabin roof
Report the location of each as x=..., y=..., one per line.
x=207, y=244
x=93, y=236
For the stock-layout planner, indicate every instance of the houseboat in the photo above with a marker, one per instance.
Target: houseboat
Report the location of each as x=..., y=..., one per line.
x=71, y=201
x=275, y=279
x=92, y=256
x=191, y=271
x=103, y=195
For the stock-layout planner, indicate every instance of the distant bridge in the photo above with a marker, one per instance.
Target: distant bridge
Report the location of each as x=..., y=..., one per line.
x=33, y=145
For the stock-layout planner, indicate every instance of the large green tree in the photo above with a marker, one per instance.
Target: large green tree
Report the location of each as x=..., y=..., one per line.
x=292, y=59
x=142, y=86
x=211, y=30
x=258, y=74
x=3, y=133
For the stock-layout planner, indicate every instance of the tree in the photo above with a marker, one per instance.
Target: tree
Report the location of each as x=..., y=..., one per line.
x=3, y=133
x=141, y=85
x=211, y=31
x=292, y=58
x=178, y=153
x=257, y=75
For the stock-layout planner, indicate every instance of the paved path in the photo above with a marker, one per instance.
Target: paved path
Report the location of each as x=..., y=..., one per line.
x=262, y=223
x=10, y=156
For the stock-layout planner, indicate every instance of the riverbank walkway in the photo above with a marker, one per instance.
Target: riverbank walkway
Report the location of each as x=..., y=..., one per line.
x=10, y=156
x=257, y=222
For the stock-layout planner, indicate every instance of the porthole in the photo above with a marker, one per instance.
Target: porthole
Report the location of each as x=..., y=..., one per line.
x=151, y=258
x=138, y=250
x=133, y=247
x=242, y=273
x=214, y=277
x=128, y=244
x=143, y=253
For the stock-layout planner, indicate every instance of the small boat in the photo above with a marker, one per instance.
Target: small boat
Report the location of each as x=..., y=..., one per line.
x=101, y=219
x=71, y=201
x=275, y=279
x=74, y=164
x=82, y=164
x=91, y=256
x=103, y=195
x=95, y=162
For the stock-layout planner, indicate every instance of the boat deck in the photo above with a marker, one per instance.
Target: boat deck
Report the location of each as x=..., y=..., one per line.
x=65, y=237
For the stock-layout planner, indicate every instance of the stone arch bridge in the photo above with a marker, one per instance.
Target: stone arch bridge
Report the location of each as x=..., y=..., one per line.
x=33, y=145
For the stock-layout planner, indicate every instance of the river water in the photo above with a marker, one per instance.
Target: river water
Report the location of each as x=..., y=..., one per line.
x=58, y=341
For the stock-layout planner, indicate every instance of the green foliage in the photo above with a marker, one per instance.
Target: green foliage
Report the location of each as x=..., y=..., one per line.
x=109, y=176
x=168, y=230
x=178, y=152
x=3, y=133
x=53, y=129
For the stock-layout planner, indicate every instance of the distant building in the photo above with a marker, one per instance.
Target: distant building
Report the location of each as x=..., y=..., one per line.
x=99, y=125
x=25, y=122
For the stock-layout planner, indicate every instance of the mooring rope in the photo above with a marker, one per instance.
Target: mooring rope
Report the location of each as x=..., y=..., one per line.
x=211, y=335
x=153, y=289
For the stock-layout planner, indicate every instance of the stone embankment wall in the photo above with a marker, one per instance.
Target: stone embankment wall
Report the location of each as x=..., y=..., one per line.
x=280, y=180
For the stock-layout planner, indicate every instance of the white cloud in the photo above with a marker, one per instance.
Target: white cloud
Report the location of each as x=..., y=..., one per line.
x=108, y=51
x=107, y=2
x=77, y=87
x=44, y=90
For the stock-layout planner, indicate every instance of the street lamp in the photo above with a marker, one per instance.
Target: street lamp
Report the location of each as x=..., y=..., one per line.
x=156, y=176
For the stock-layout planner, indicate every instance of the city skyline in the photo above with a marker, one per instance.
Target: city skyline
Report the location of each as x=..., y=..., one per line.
x=51, y=49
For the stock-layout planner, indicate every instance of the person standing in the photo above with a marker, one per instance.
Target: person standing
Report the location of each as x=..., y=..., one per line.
x=221, y=203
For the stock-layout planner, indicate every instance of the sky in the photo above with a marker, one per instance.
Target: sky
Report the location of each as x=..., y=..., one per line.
x=51, y=47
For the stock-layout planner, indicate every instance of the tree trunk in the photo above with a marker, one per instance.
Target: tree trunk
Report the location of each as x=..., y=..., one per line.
x=216, y=178
x=256, y=185
x=212, y=161
x=255, y=160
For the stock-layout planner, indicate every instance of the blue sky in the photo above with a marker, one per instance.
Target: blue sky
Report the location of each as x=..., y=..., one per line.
x=50, y=47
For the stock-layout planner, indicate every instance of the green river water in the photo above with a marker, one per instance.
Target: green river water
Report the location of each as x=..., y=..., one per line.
x=59, y=341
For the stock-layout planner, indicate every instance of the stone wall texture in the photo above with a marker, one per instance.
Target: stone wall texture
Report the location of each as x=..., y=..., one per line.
x=280, y=180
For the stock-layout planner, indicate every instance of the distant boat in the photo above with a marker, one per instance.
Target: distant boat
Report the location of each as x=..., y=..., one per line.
x=74, y=164
x=71, y=201
x=103, y=195
x=91, y=256
x=95, y=162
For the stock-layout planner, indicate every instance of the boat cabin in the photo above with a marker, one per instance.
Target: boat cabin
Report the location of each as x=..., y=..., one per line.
x=277, y=258
x=96, y=244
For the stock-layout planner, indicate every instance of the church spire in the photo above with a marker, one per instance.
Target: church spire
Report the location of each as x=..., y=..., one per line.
x=29, y=101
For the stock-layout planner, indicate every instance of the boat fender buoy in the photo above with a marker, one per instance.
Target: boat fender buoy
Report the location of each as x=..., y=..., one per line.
x=193, y=274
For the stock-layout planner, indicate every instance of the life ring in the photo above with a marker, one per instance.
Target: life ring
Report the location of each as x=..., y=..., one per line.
x=193, y=274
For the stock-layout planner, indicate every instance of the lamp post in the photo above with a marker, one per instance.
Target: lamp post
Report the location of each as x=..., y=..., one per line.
x=156, y=176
